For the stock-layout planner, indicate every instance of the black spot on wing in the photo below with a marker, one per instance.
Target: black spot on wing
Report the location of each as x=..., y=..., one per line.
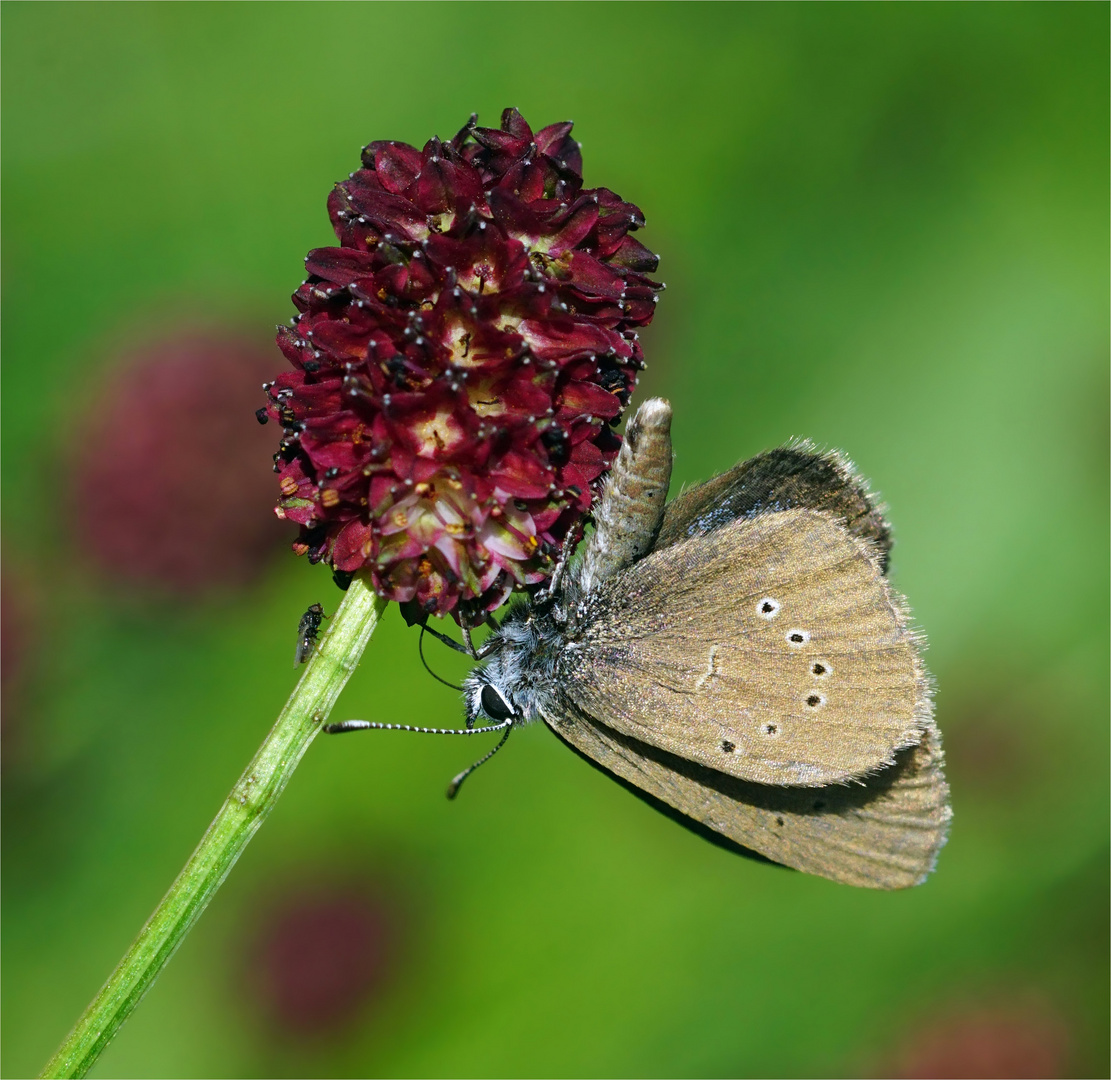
x=803, y=801
x=669, y=811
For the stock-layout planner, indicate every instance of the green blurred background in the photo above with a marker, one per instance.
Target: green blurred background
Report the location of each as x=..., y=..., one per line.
x=883, y=227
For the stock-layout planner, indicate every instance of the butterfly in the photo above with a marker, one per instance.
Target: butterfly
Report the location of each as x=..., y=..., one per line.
x=737, y=659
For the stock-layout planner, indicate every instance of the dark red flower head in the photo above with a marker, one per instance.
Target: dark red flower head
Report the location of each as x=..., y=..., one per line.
x=458, y=363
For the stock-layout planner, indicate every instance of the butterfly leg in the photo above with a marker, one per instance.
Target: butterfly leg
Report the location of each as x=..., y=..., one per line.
x=420, y=650
x=471, y=650
x=449, y=641
x=565, y=552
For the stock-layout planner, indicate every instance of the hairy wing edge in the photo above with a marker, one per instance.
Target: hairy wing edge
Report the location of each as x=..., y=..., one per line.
x=884, y=834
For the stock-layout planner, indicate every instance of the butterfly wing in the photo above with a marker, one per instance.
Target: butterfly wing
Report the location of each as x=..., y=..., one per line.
x=882, y=834
x=791, y=476
x=770, y=649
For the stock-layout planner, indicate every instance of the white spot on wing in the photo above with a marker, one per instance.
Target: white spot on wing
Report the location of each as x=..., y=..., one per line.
x=768, y=608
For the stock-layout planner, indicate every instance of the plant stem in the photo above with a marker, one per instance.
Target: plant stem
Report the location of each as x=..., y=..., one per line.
x=329, y=667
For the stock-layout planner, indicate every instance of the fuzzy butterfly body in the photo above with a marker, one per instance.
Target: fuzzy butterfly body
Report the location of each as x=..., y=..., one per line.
x=739, y=660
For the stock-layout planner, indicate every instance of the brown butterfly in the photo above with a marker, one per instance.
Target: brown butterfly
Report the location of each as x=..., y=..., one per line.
x=736, y=658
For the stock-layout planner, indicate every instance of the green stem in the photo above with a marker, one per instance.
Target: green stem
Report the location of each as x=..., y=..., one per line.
x=330, y=666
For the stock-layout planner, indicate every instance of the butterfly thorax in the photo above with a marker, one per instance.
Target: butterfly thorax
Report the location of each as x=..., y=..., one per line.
x=523, y=667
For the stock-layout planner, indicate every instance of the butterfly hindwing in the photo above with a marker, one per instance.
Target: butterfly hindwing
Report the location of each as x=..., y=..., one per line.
x=883, y=834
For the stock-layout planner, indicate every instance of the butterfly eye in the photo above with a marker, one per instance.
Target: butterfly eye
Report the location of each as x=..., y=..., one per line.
x=494, y=705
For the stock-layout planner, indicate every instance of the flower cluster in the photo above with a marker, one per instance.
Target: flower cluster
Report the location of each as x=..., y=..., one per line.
x=459, y=361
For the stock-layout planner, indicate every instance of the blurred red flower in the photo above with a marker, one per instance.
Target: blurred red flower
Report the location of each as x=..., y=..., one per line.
x=458, y=363
x=320, y=956
x=1008, y=1041
x=171, y=487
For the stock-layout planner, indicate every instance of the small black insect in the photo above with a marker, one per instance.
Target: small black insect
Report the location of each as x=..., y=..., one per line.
x=307, y=630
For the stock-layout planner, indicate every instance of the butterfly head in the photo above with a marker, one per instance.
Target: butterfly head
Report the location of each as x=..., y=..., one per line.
x=485, y=702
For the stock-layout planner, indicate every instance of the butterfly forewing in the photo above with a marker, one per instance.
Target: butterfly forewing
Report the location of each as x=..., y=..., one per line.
x=770, y=649
x=780, y=479
x=884, y=833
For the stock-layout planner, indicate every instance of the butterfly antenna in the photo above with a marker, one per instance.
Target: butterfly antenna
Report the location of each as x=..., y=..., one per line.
x=457, y=782
x=374, y=725
x=420, y=649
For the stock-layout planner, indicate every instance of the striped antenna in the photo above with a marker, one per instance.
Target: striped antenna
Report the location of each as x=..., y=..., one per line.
x=371, y=725
x=457, y=782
